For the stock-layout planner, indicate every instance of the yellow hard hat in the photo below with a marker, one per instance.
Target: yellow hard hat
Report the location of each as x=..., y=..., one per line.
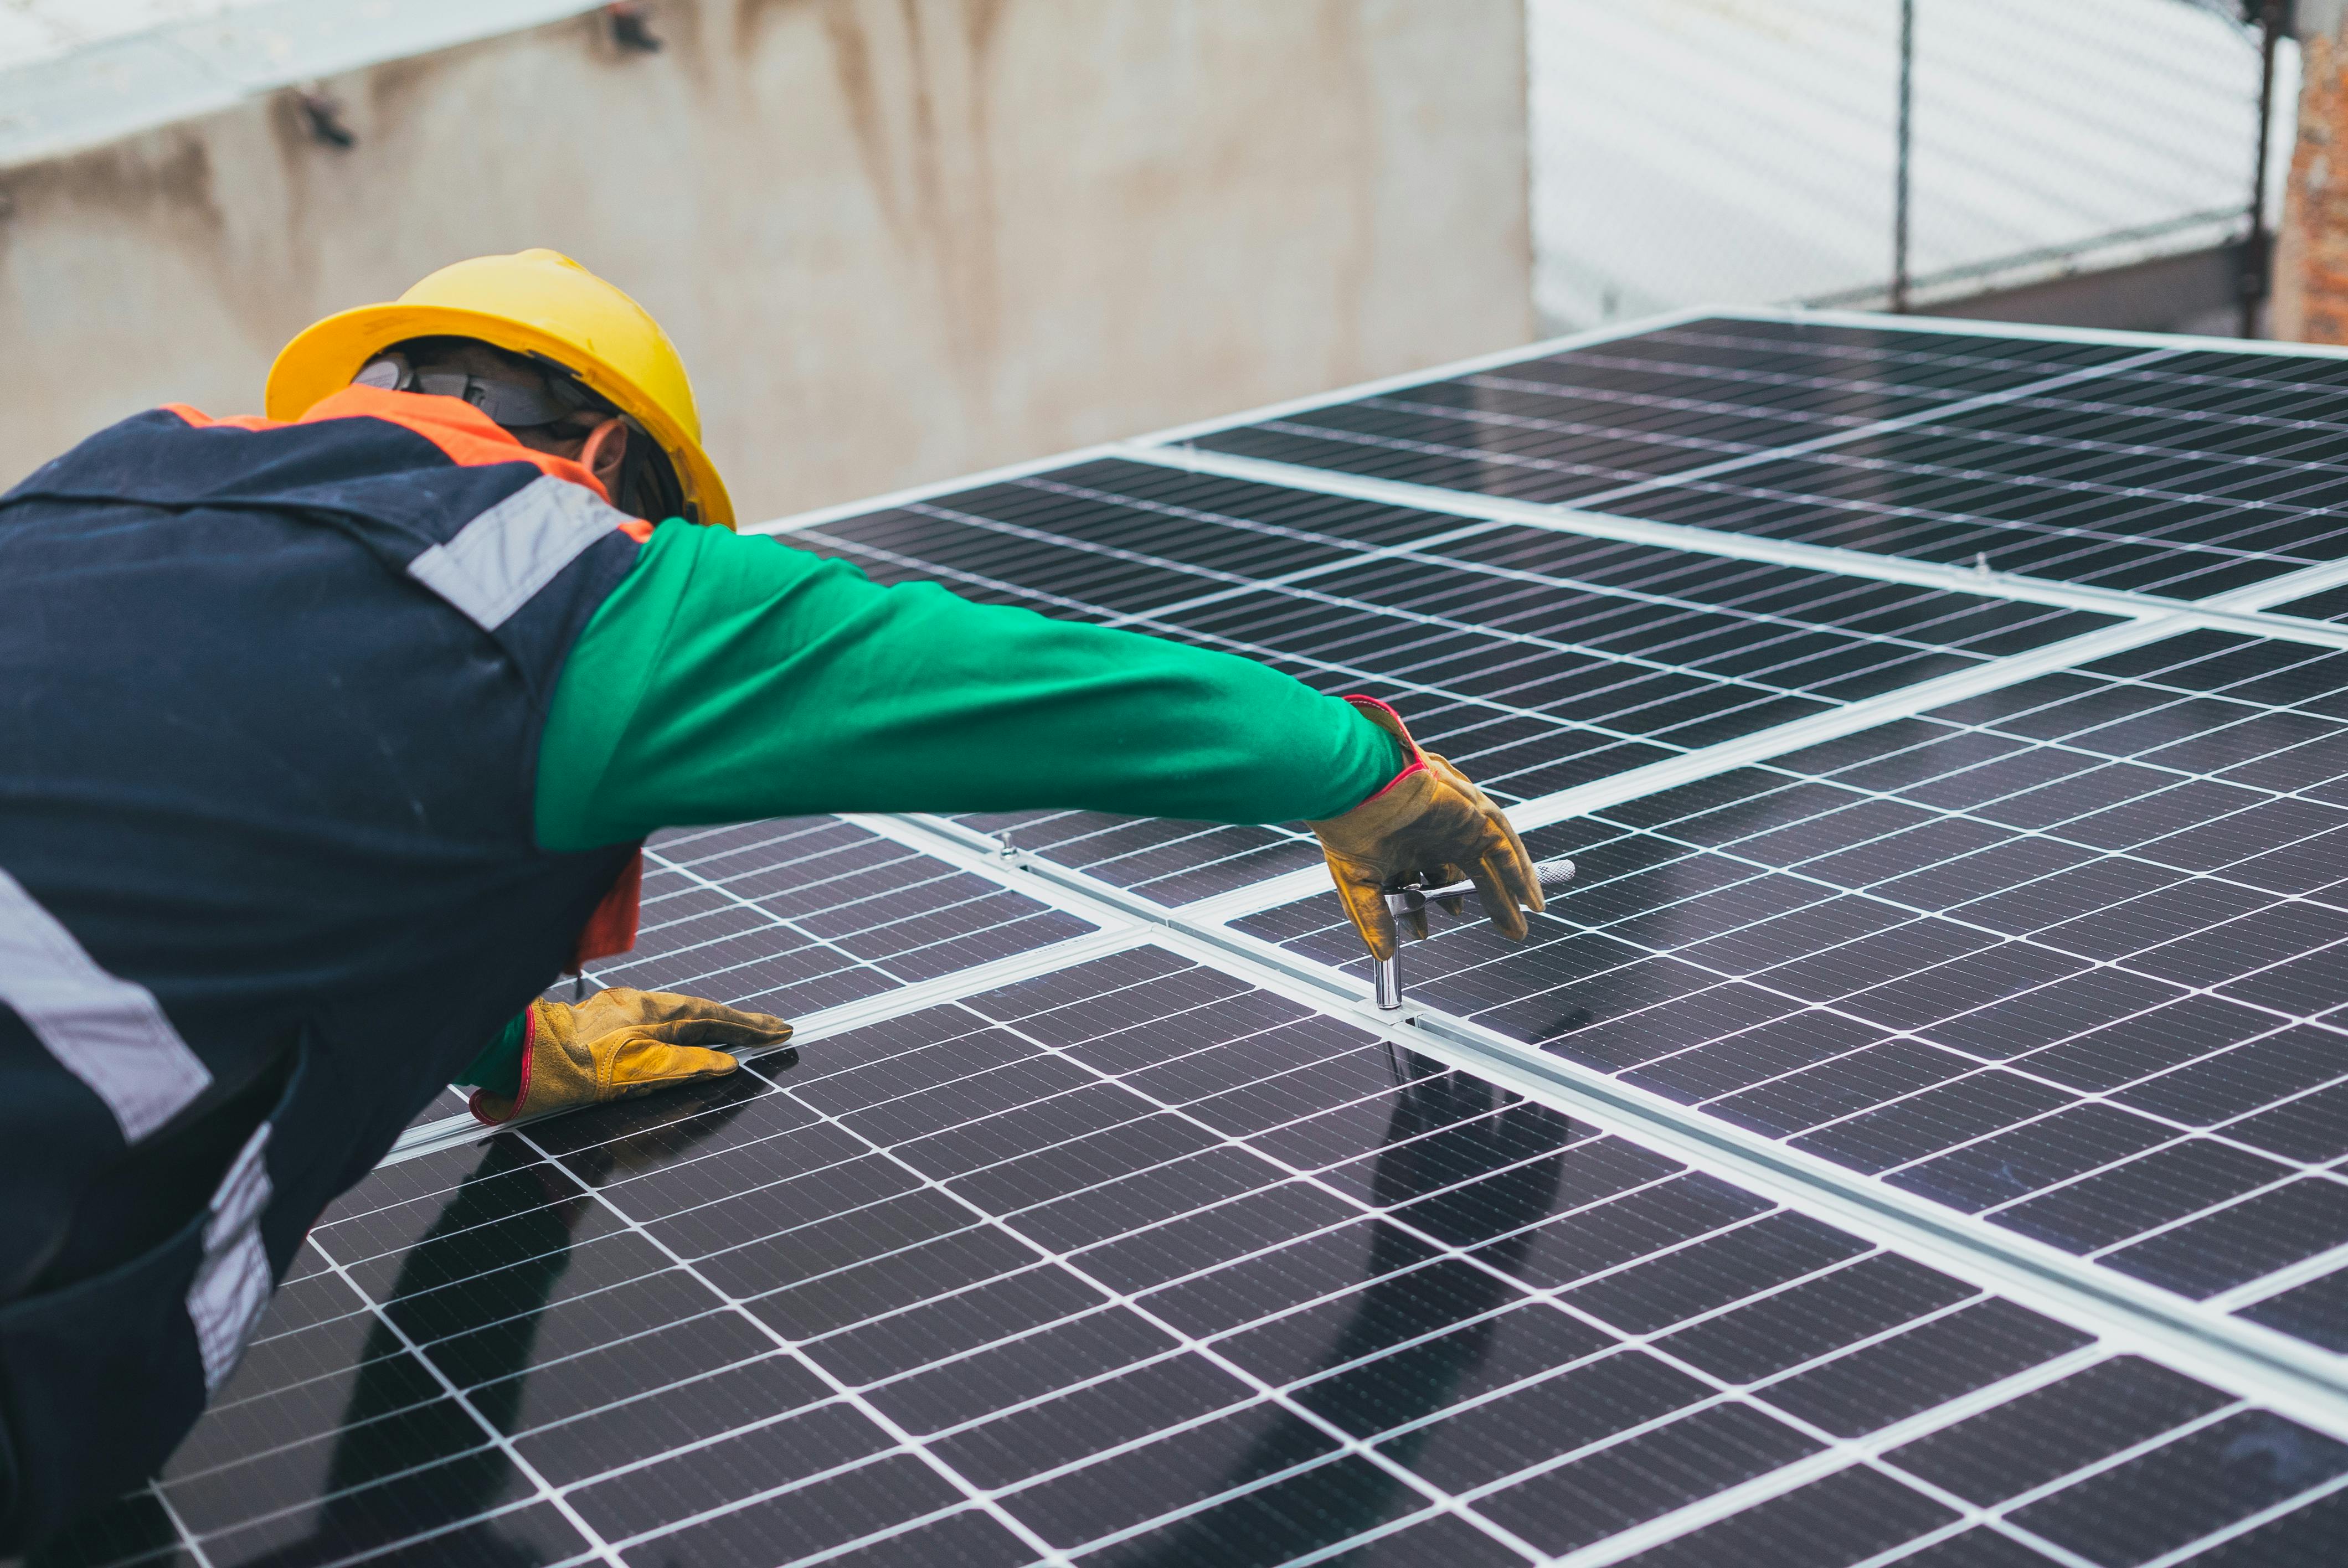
x=534, y=302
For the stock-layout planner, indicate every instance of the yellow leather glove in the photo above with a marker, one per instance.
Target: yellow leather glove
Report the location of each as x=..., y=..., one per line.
x=620, y=1042
x=1430, y=824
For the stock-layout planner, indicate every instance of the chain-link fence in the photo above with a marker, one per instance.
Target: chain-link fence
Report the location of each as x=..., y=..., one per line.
x=2091, y=160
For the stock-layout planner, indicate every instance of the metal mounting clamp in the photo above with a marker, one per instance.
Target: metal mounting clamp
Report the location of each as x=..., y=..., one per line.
x=1413, y=897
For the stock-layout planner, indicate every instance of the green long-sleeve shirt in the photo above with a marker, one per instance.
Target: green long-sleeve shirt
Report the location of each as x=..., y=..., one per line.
x=732, y=677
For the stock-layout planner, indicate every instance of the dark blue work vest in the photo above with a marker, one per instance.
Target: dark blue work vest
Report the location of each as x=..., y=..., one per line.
x=271, y=700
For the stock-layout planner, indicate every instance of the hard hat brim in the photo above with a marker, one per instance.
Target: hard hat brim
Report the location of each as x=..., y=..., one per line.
x=321, y=361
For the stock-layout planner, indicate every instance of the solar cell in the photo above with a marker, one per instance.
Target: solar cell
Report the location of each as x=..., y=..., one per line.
x=1135, y=1262
x=2066, y=956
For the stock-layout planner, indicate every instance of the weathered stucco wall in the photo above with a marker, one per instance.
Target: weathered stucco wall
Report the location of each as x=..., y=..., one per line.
x=895, y=238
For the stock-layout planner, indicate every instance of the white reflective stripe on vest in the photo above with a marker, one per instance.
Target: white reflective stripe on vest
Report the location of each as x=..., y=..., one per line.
x=232, y=1284
x=510, y=551
x=106, y=1031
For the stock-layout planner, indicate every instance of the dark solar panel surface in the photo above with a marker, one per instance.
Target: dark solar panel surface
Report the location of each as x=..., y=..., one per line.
x=2332, y=604
x=1141, y=1264
x=2068, y=955
x=1534, y=660
x=800, y=913
x=2189, y=475
x=1135, y=1262
x=1589, y=422
x=797, y=914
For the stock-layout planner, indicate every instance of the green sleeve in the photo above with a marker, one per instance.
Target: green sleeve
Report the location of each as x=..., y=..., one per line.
x=499, y=1066
x=731, y=677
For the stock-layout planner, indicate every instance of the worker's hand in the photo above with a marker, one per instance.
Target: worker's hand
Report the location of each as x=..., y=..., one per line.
x=1429, y=824
x=622, y=1042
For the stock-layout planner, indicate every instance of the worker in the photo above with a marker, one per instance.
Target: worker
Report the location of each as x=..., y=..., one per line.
x=329, y=740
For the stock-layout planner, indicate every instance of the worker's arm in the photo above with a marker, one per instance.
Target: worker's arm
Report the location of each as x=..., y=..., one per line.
x=729, y=678
x=732, y=677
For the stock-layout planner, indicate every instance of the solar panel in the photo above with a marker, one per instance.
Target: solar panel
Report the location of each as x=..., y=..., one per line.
x=1587, y=423
x=2060, y=954
x=1920, y=1136
x=1136, y=1262
x=1534, y=660
x=803, y=918
x=2163, y=470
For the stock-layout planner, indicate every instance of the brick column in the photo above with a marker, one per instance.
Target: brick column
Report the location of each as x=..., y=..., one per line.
x=2311, y=261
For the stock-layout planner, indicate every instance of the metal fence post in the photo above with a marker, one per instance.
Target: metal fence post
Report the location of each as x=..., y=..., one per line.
x=1906, y=134
x=2258, y=246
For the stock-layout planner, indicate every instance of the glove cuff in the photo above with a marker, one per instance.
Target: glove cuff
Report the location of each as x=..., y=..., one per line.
x=495, y=1110
x=1383, y=716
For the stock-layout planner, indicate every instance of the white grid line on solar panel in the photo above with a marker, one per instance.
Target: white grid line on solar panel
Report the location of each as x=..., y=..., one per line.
x=2272, y=349
x=1115, y=1299
x=739, y=950
x=1407, y=570
x=179, y=1529
x=655, y=963
x=1874, y=391
x=1639, y=1338
x=1694, y=1521
x=541, y=1492
x=814, y=517
x=430, y=1136
x=2328, y=607
x=1494, y=458
x=1744, y=331
x=846, y=1396
x=1725, y=755
x=2290, y=1169
x=2242, y=609
x=2233, y=1533
x=1414, y=568
x=2319, y=1266
x=2005, y=1065
x=1812, y=347
x=722, y=1301
x=2311, y=472
x=1778, y=581
x=1909, y=522
x=2034, y=1268
x=1981, y=534
x=2068, y=409
x=1158, y=844
x=1495, y=782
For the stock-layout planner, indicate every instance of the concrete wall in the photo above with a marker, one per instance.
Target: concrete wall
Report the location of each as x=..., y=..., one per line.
x=895, y=238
